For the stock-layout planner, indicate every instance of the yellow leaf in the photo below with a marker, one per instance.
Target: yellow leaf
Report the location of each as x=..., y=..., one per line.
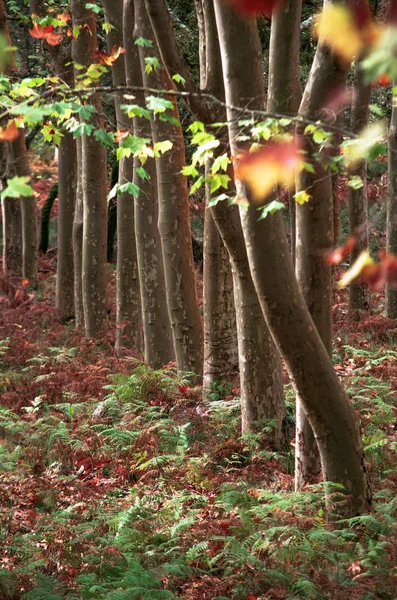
x=337, y=28
x=364, y=260
x=302, y=197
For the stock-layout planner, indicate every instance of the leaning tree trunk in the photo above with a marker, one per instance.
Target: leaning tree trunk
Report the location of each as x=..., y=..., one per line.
x=94, y=183
x=314, y=237
x=306, y=357
x=156, y=322
x=128, y=304
x=391, y=227
x=261, y=388
x=358, y=200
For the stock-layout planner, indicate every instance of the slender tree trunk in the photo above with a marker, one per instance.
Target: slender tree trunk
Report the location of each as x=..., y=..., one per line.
x=317, y=384
x=20, y=167
x=391, y=227
x=174, y=223
x=156, y=322
x=261, y=387
x=128, y=303
x=46, y=218
x=220, y=334
x=358, y=200
x=12, y=237
x=78, y=242
x=94, y=183
x=67, y=174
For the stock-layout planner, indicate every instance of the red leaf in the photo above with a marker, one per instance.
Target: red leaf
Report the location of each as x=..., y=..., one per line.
x=336, y=256
x=106, y=58
x=252, y=7
x=9, y=133
x=121, y=134
x=46, y=33
x=384, y=81
x=183, y=389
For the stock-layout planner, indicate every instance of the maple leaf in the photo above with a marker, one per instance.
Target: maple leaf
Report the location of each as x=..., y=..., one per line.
x=106, y=58
x=9, y=133
x=364, y=260
x=63, y=18
x=46, y=33
x=336, y=256
x=274, y=164
x=384, y=80
x=252, y=7
x=346, y=30
x=121, y=134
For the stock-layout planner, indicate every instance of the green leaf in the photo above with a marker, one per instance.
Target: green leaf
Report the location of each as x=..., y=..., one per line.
x=215, y=199
x=218, y=181
x=158, y=105
x=189, y=171
x=309, y=167
x=129, y=188
x=107, y=139
x=113, y=192
x=179, y=79
x=302, y=197
x=133, y=110
x=82, y=129
x=33, y=115
x=162, y=147
x=220, y=163
x=355, y=182
x=144, y=43
x=17, y=187
x=197, y=184
x=152, y=63
x=270, y=208
x=94, y=7
x=142, y=173
x=107, y=27
x=195, y=127
x=85, y=111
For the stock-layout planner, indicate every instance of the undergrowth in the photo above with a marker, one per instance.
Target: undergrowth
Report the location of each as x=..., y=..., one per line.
x=118, y=482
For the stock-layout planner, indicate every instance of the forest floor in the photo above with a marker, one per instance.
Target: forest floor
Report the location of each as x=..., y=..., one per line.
x=118, y=482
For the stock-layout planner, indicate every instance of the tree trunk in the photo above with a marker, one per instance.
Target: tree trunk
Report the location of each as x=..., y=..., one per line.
x=128, y=302
x=315, y=237
x=391, y=227
x=12, y=237
x=156, y=322
x=46, y=218
x=67, y=174
x=94, y=183
x=220, y=334
x=306, y=357
x=358, y=200
x=174, y=223
x=20, y=166
x=78, y=243
x=261, y=387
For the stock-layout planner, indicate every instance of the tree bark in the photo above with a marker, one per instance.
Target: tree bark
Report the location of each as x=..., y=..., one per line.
x=94, y=184
x=46, y=218
x=358, y=200
x=261, y=387
x=174, y=223
x=128, y=302
x=391, y=226
x=306, y=357
x=156, y=322
x=78, y=242
x=315, y=236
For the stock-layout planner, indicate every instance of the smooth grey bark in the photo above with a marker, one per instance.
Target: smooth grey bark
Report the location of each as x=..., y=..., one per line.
x=158, y=341
x=94, y=184
x=77, y=242
x=358, y=199
x=174, y=222
x=309, y=364
x=128, y=302
x=261, y=387
x=391, y=225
